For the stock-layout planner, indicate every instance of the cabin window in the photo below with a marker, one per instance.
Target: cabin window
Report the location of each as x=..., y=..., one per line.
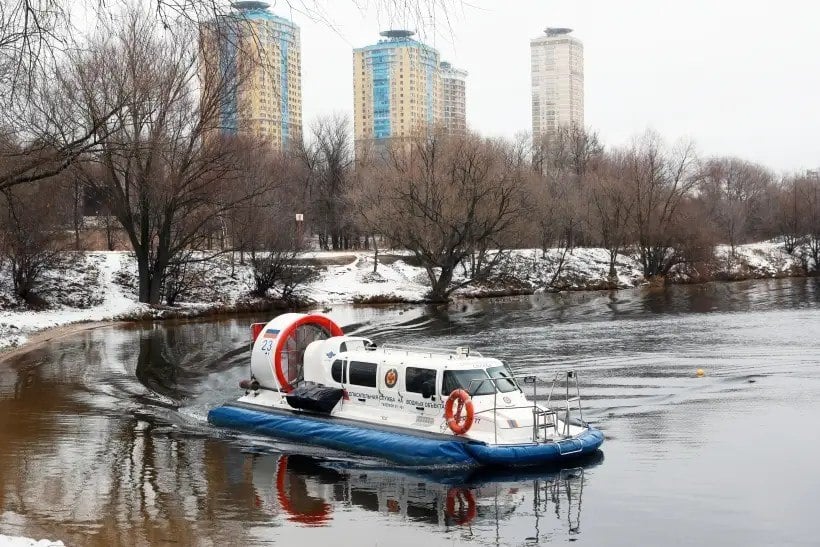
x=473, y=381
x=416, y=378
x=362, y=374
x=343, y=347
x=506, y=380
x=336, y=371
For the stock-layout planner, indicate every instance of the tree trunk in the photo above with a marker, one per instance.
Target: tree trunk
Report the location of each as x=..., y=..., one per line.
x=78, y=219
x=155, y=293
x=440, y=288
x=613, y=257
x=144, y=275
x=150, y=279
x=109, y=234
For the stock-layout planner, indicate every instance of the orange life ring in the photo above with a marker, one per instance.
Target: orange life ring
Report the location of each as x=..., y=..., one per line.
x=326, y=323
x=455, y=421
x=467, y=509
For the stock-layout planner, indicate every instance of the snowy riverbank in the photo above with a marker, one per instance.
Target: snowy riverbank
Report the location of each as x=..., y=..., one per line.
x=16, y=541
x=100, y=286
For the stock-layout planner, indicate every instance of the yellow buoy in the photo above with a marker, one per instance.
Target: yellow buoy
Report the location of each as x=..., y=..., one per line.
x=700, y=372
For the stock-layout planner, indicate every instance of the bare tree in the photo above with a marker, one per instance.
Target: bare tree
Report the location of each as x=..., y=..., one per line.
x=249, y=221
x=802, y=211
x=29, y=236
x=612, y=208
x=565, y=158
x=34, y=36
x=328, y=159
x=278, y=267
x=48, y=134
x=555, y=218
x=570, y=149
x=268, y=232
x=732, y=191
x=812, y=200
x=659, y=180
x=789, y=218
x=443, y=197
x=161, y=167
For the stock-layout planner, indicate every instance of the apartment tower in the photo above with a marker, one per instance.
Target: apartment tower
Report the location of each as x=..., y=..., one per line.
x=454, y=99
x=396, y=90
x=259, y=56
x=557, y=82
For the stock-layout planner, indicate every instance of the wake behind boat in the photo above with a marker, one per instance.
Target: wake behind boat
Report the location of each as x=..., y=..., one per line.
x=412, y=405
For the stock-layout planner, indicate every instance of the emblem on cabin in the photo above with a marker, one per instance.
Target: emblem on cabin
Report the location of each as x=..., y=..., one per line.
x=391, y=377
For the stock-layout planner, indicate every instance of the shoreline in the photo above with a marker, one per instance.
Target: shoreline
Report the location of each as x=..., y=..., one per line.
x=98, y=288
x=40, y=337
x=193, y=315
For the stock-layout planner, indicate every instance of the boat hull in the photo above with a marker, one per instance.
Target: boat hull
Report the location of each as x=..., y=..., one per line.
x=394, y=444
x=537, y=453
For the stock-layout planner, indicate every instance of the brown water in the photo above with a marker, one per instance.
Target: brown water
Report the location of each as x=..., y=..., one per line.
x=103, y=439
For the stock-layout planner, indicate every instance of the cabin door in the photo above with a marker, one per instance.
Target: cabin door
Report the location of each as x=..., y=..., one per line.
x=421, y=393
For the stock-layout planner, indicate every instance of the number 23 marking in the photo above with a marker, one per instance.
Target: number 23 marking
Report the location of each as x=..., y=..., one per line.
x=267, y=346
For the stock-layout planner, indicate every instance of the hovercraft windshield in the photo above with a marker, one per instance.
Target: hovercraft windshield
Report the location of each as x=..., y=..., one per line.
x=479, y=381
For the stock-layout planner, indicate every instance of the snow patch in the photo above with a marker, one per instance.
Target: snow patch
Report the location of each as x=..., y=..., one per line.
x=756, y=260
x=18, y=541
x=17, y=325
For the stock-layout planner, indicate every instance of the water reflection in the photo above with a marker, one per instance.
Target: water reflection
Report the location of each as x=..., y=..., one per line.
x=312, y=492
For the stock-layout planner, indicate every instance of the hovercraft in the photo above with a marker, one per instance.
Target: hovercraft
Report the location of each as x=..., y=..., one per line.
x=312, y=384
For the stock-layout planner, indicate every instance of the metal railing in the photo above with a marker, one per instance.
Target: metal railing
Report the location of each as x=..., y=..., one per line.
x=542, y=419
x=570, y=374
x=461, y=351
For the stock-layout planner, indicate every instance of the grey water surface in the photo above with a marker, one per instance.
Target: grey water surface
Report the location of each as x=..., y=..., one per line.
x=103, y=438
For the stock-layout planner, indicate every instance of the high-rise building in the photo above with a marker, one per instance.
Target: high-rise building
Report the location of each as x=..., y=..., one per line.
x=259, y=63
x=454, y=99
x=396, y=89
x=557, y=82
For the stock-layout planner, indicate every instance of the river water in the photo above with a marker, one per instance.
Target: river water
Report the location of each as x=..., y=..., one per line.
x=103, y=439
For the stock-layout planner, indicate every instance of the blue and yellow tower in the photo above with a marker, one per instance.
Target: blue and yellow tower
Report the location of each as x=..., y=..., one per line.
x=260, y=58
x=396, y=89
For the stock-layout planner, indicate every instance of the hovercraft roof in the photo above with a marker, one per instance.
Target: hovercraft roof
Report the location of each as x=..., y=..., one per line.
x=460, y=358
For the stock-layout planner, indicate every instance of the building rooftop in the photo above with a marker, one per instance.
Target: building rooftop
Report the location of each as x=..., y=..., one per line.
x=398, y=38
x=452, y=71
x=397, y=33
x=254, y=10
x=556, y=31
x=250, y=5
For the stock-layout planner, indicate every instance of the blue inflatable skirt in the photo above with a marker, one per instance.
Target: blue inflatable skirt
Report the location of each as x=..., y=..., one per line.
x=396, y=444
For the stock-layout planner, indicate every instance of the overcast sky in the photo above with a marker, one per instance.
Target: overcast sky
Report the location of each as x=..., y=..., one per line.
x=739, y=77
